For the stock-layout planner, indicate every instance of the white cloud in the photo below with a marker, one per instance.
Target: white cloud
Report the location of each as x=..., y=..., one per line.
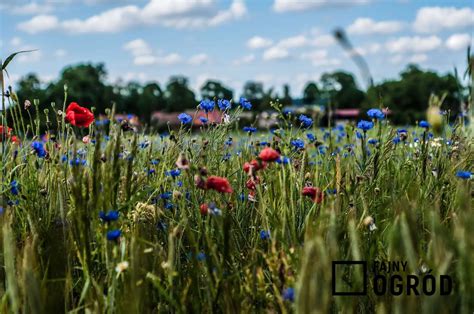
x=236, y=11
x=39, y=23
x=16, y=41
x=143, y=54
x=414, y=44
x=245, y=60
x=138, y=47
x=32, y=8
x=320, y=58
x=29, y=57
x=323, y=41
x=169, y=13
x=415, y=58
x=275, y=53
x=418, y=58
x=199, y=59
x=369, y=49
x=458, y=41
x=60, y=53
x=366, y=26
x=293, y=42
x=435, y=19
x=110, y=21
x=169, y=59
x=257, y=42
x=299, y=5
x=144, y=60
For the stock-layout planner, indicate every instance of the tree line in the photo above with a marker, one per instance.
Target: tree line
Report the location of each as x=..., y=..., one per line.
x=407, y=96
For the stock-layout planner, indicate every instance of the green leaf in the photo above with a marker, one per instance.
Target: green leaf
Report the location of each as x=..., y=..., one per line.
x=10, y=57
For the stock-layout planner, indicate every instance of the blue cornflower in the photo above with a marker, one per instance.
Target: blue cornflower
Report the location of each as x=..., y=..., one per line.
x=287, y=112
x=298, y=144
x=376, y=114
x=424, y=124
x=372, y=141
x=166, y=195
x=365, y=125
x=223, y=104
x=144, y=144
x=14, y=187
x=283, y=160
x=111, y=215
x=244, y=103
x=226, y=156
x=249, y=129
x=201, y=256
x=39, y=149
x=179, y=184
x=78, y=162
x=264, y=235
x=228, y=142
x=289, y=294
x=310, y=137
x=306, y=121
x=207, y=105
x=1, y=210
x=396, y=140
x=464, y=174
x=64, y=158
x=151, y=171
x=203, y=120
x=401, y=131
x=185, y=118
x=154, y=161
x=173, y=173
x=113, y=235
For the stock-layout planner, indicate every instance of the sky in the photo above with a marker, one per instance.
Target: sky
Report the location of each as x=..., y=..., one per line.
x=271, y=41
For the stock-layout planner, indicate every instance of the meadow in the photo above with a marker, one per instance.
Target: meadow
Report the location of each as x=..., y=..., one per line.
x=99, y=217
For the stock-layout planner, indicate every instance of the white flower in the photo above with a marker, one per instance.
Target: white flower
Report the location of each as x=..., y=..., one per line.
x=121, y=267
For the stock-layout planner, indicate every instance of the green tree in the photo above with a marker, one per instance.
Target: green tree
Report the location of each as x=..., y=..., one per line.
x=213, y=88
x=150, y=99
x=178, y=96
x=342, y=89
x=86, y=86
x=29, y=87
x=254, y=92
x=311, y=93
x=286, y=99
x=408, y=96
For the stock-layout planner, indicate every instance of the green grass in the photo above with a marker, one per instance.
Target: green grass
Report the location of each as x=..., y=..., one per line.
x=55, y=256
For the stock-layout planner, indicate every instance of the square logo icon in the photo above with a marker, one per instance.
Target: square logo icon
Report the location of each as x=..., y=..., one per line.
x=349, y=278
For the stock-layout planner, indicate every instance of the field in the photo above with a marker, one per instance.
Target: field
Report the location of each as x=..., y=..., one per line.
x=104, y=218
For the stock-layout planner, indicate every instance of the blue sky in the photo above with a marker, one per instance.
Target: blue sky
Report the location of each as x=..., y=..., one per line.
x=272, y=41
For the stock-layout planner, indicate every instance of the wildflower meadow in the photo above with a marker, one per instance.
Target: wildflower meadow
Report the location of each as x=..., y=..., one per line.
x=102, y=218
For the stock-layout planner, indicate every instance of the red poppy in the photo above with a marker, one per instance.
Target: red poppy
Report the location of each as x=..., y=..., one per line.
x=5, y=132
x=315, y=193
x=204, y=209
x=269, y=154
x=15, y=139
x=79, y=116
x=255, y=165
x=251, y=183
x=219, y=184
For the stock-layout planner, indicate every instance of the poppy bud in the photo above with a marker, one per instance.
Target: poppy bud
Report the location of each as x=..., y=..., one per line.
x=27, y=104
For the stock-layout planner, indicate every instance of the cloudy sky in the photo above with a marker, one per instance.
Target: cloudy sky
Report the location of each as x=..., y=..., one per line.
x=273, y=41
